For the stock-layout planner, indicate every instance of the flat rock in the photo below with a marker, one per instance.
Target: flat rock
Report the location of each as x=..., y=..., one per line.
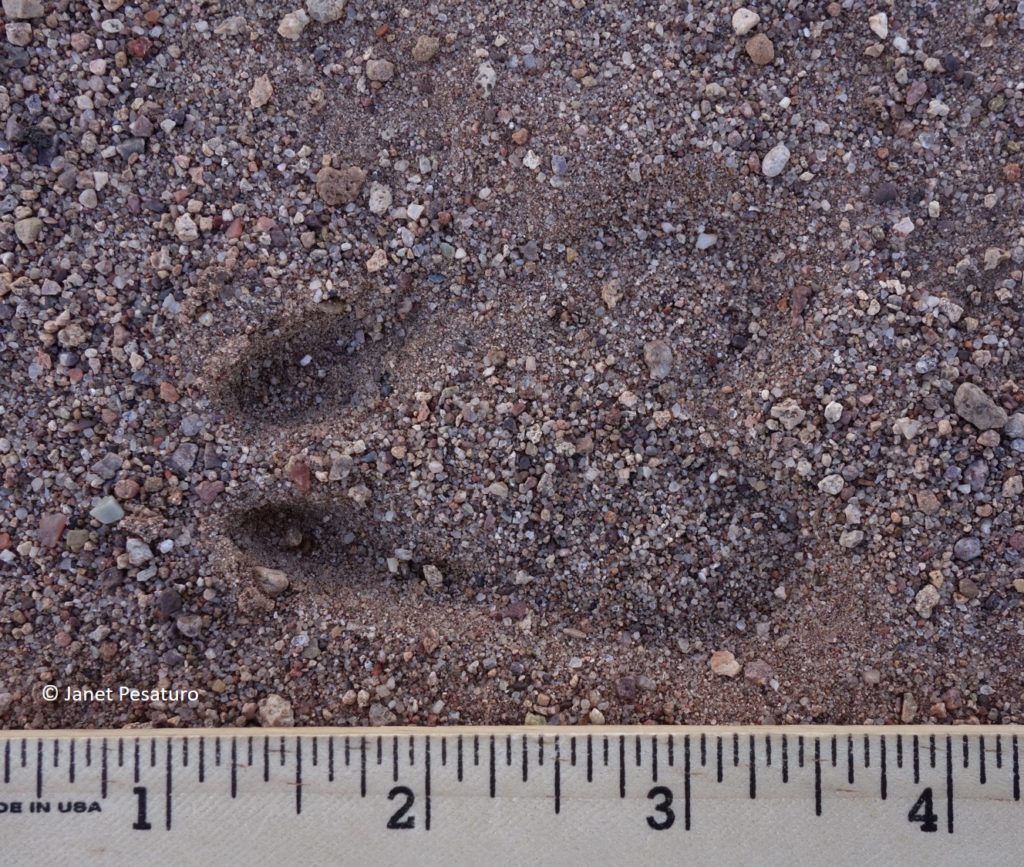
x=260, y=92
x=380, y=70
x=326, y=11
x=658, y=357
x=27, y=230
x=51, y=527
x=974, y=405
x=272, y=582
x=107, y=511
x=339, y=186
x=426, y=49
x=292, y=24
x=24, y=9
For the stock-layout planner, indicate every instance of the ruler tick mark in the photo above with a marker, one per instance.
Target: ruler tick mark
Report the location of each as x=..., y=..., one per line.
x=380, y=750
x=526, y=759
x=7, y=762
x=849, y=759
x=703, y=750
x=249, y=747
x=56, y=754
x=735, y=750
x=590, y=758
x=558, y=777
x=298, y=775
x=654, y=759
x=981, y=760
x=686, y=782
x=719, y=750
x=899, y=751
x=458, y=766
x=1016, y=770
x=785, y=759
x=394, y=760
x=103, y=766
x=347, y=751
x=266, y=758
x=931, y=750
x=767, y=751
x=999, y=752
x=884, y=781
x=671, y=752
x=137, y=763
x=216, y=752
x=817, y=776
x=476, y=751
x=444, y=752
x=234, y=768
x=426, y=781
x=917, y=760
x=120, y=752
x=835, y=751
x=637, y=739
x=39, y=768
x=800, y=751
x=363, y=767
x=412, y=751
x=330, y=759
x=867, y=751
x=753, y=770
x=966, y=759
x=949, y=783
x=169, y=765
x=493, y=771
x=71, y=762
x=508, y=751
x=152, y=753
x=572, y=751
x=622, y=766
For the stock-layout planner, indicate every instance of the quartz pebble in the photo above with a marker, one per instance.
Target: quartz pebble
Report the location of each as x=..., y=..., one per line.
x=775, y=161
x=276, y=711
x=744, y=20
x=724, y=664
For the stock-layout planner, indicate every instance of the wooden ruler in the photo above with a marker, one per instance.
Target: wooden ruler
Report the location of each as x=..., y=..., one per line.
x=587, y=795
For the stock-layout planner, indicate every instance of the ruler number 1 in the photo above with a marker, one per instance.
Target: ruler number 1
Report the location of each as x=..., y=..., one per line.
x=399, y=821
x=140, y=822
x=924, y=812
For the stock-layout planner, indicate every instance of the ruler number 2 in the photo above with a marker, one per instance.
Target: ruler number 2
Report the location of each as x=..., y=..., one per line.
x=399, y=821
x=923, y=811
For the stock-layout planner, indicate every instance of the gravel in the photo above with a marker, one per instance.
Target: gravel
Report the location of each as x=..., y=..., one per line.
x=543, y=354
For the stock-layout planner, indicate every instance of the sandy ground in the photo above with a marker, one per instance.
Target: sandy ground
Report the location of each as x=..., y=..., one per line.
x=574, y=362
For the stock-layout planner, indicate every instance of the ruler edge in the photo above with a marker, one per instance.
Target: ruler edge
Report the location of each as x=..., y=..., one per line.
x=517, y=730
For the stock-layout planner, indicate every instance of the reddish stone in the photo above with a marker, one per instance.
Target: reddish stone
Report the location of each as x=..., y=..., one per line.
x=75, y=374
x=168, y=392
x=62, y=639
x=5, y=541
x=1017, y=541
x=152, y=16
x=209, y=491
x=234, y=231
x=126, y=489
x=1011, y=171
x=301, y=477
x=51, y=528
x=139, y=47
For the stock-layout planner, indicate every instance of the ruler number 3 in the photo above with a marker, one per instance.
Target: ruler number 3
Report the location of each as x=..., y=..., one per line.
x=668, y=817
x=399, y=821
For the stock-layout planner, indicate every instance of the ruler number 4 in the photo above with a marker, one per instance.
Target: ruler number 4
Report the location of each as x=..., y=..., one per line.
x=399, y=821
x=924, y=812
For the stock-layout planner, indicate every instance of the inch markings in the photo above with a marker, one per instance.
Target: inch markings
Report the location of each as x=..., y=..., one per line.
x=789, y=784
